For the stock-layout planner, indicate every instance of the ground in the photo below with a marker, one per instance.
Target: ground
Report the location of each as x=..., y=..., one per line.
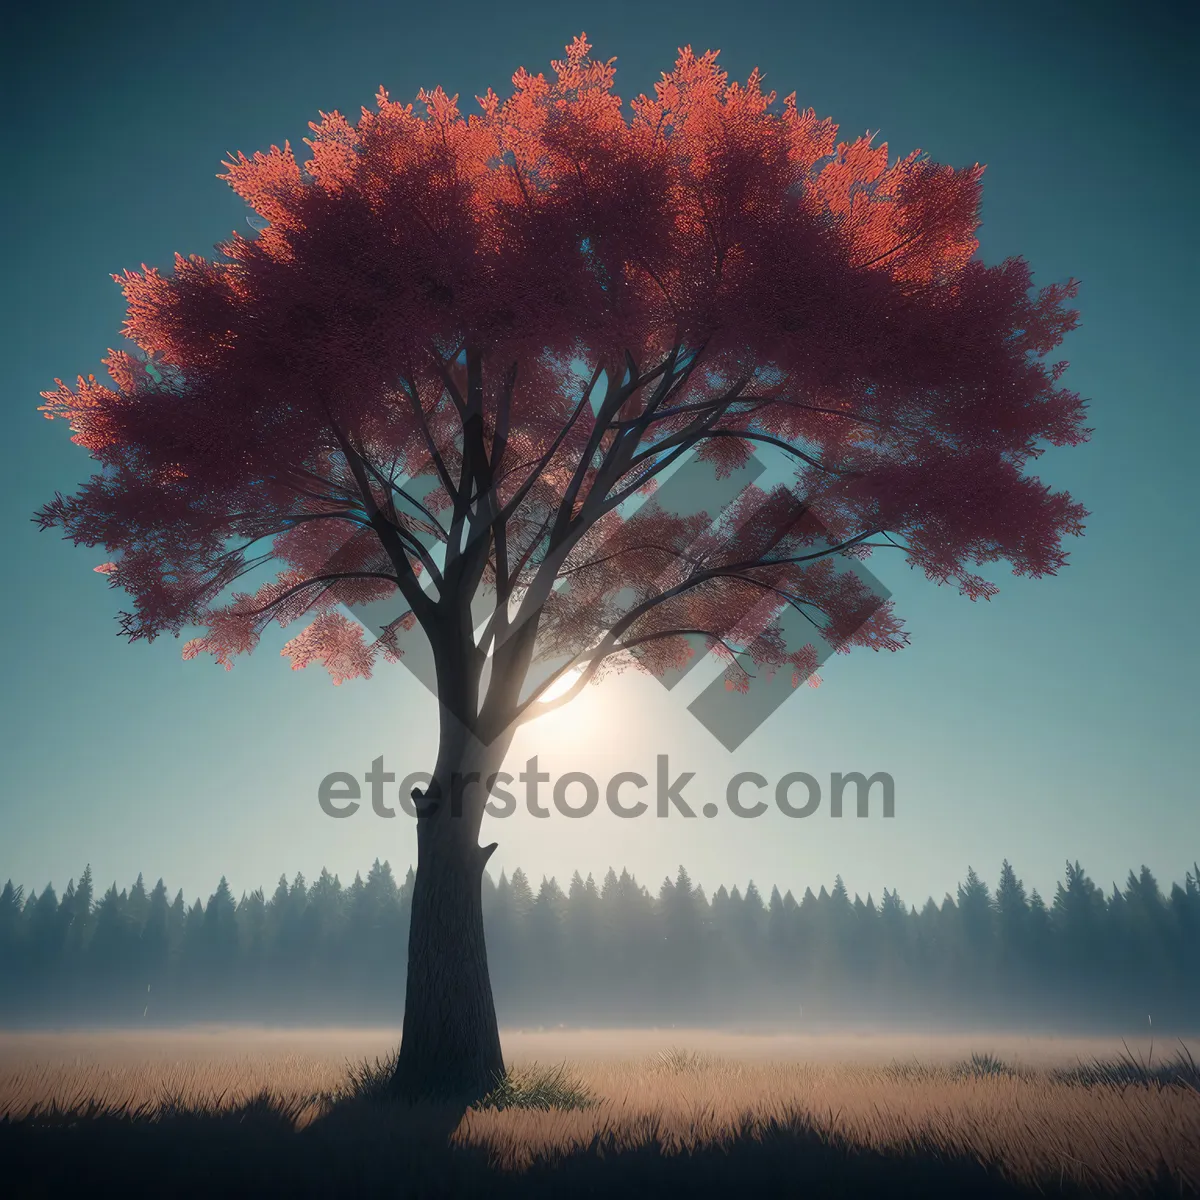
x=200, y=1111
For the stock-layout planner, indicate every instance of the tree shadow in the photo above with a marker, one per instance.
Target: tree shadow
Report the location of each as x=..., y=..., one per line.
x=367, y=1148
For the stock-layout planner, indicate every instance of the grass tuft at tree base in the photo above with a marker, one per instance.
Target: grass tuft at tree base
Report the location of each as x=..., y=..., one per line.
x=538, y=1087
x=532, y=1087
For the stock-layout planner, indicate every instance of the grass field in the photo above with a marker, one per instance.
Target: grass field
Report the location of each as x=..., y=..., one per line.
x=648, y=1112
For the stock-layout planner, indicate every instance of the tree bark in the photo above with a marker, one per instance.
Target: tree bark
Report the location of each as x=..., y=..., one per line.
x=450, y=1046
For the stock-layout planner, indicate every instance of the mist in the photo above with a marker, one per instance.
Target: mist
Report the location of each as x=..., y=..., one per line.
x=617, y=954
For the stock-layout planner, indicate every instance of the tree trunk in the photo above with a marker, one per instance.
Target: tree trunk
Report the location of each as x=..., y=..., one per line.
x=450, y=1047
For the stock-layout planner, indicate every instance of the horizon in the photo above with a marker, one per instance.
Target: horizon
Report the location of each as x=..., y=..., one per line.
x=493, y=879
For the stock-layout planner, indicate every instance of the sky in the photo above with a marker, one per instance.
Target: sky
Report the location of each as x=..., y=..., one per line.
x=1056, y=721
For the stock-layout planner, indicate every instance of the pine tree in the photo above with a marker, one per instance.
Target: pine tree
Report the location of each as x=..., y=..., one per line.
x=79, y=919
x=12, y=948
x=521, y=895
x=137, y=905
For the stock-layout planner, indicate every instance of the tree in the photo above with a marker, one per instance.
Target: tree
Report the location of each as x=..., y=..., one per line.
x=47, y=936
x=12, y=946
x=1012, y=925
x=584, y=969
x=220, y=931
x=976, y=923
x=78, y=917
x=681, y=917
x=1077, y=915
x=450, y=371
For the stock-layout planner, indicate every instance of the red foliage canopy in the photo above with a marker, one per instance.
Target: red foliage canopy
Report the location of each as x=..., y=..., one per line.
x=540, y=309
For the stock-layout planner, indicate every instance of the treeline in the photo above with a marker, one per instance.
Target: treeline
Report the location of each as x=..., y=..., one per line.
x=615, y=953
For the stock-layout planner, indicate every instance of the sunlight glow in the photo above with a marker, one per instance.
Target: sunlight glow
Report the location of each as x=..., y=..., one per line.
x=560, y=686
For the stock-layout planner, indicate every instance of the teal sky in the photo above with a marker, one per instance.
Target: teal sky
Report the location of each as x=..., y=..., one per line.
x=1058, y=720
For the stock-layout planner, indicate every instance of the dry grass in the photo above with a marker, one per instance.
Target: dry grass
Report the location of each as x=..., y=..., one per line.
x=1016, y=1110
x=1034, y=1127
